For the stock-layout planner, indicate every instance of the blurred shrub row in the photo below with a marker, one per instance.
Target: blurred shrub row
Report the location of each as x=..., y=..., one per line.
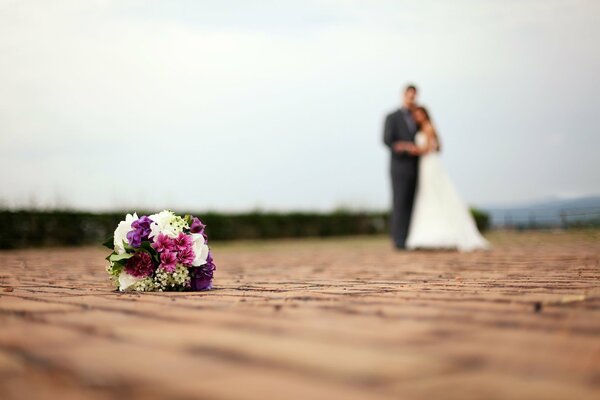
x=482, y=219
x=27, y=228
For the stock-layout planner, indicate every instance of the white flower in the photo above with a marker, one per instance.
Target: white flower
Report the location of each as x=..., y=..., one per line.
x=126, y=281
x=200, y=249
x=162, y=224
x=120, y=235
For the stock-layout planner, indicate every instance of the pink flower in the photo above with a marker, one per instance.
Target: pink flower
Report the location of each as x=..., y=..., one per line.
x=186, y=256
x=168, y=260
x=163, y=243
x=182, y=242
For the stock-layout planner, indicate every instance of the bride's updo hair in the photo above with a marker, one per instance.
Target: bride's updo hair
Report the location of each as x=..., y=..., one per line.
x=428, y=119
x=424, y=111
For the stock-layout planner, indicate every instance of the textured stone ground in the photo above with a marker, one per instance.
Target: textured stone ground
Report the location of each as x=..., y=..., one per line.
x=330, y=319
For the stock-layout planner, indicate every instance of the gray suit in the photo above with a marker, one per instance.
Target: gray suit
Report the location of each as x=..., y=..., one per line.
x=399, y=126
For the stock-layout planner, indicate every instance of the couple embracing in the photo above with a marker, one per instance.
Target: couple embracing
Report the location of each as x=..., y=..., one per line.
x=427, y=211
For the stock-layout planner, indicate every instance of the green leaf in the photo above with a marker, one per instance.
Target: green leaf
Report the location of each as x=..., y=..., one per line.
x=109, y=242
x=114, y=257
x=117, y=267
x=146, y=245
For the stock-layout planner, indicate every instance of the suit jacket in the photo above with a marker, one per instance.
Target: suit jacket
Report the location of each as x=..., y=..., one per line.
x=395, y=130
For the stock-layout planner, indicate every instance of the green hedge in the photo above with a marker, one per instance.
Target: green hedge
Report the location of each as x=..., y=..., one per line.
x=29, y=228
x=482, y=219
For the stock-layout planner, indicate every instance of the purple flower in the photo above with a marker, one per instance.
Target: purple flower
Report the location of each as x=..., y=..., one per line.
x=134, y=238
x=201, y=277
x=141, y=231
x=186, y=256
x=182, y=242
x=163, y=243
x=168, y=260
x=209, y=261
x=197, y=226
x=140, y=265
x=143, y=225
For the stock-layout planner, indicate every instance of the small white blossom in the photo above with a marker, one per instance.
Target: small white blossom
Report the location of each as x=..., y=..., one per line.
x=144, y=285
x=167, y=223
x=180, y=278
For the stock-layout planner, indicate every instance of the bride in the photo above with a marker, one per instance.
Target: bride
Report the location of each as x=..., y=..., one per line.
x=439, y=218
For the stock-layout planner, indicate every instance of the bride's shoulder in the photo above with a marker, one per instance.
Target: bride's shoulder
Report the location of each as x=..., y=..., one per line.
x=427, y=128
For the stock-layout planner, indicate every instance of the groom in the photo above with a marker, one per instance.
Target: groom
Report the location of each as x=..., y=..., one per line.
x=400, y=128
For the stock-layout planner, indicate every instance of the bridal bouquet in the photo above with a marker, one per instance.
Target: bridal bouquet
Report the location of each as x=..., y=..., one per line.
x=160, y=252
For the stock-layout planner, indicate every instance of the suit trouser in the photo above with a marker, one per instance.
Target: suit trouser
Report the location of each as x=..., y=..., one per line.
x=404, y=184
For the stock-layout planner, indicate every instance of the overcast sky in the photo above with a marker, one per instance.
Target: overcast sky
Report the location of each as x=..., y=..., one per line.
x=235, y=105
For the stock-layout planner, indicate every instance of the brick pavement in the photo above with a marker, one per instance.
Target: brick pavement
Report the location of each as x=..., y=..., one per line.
x=312, y=319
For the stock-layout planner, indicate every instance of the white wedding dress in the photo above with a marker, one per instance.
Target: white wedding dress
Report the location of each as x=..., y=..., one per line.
x=440, y=220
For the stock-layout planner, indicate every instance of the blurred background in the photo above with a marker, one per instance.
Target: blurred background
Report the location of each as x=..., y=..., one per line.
x=271, y=107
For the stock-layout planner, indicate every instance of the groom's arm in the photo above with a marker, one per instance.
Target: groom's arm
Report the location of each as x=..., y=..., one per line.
x=391, y=141
x=388, y=134
x=406, y=147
